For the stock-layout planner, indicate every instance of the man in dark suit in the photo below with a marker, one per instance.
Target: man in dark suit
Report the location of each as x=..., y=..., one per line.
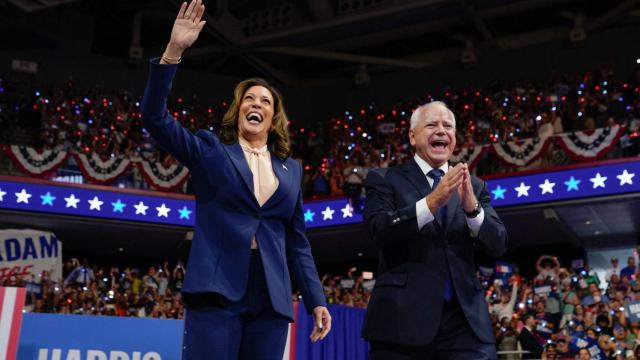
x=528, y=341
x=428, y=219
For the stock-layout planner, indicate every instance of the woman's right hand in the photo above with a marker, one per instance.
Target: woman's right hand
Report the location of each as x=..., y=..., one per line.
x=186, y=28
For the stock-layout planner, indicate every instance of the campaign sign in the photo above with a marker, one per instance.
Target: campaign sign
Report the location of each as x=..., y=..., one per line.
x=86, y=337
x=347, y=283
x=25, y=254
x=633, y=309
x=368, y=285
x=595, y=352
x=503, y=268
x=542, y=290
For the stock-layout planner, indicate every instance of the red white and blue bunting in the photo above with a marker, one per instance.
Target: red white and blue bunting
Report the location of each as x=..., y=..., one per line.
x=520, y=153
x=101, y=171
x=584, y=146
x=163, y=178
x=94, y=169
x=579, y=145
x=469, y=155
x=36, y=163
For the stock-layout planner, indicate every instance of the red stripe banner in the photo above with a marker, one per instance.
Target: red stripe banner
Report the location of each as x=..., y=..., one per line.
x=11, y=305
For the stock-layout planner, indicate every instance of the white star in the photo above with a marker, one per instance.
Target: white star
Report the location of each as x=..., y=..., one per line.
x=72, y=201
x=598, y=181
x=347, y=211
x=163, y=211
x=327, y=214
x=625, y=177
x=2, y=194
x=141, y=208
x=23, y=196
x=547, y=187
x=523, y=190
x=95, y=203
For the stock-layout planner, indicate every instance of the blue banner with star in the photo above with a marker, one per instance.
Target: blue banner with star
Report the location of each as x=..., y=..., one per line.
x=588, y=181
x=107, y=204
x=65, y=200
x=597, y=180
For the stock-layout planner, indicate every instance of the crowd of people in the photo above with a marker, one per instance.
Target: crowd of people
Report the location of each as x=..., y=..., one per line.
x=336, y=154
x=91, y=289
x=106, y=290
x=563, y=312
x=567, y=313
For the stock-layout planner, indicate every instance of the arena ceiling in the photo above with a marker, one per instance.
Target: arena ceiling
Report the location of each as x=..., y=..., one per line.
x=309, y=40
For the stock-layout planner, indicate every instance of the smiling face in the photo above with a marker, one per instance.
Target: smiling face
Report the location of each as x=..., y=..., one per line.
x=433, y=133
x=255, y=114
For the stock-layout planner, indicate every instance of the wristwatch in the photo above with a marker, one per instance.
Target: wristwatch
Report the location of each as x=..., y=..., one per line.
x=473, y=213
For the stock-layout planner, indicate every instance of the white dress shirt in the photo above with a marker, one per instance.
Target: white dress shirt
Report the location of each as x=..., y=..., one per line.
x=423, y=213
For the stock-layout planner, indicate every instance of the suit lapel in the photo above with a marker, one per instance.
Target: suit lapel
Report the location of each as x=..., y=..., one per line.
x=417, y=178
x=240, y=162
x=284, y=174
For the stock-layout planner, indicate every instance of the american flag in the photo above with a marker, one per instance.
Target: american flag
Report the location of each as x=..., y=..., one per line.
x=11, y=304
x=290, y=347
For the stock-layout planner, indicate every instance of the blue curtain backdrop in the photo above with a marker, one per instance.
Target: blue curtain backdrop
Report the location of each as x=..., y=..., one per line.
x=343, y=342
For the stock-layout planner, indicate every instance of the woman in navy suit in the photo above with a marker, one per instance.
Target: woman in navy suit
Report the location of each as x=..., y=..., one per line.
x=250, y=231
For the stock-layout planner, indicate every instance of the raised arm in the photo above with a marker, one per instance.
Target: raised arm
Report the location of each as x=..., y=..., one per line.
x=174, y=138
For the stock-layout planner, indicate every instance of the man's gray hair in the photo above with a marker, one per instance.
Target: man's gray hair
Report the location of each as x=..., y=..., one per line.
x=416, y=114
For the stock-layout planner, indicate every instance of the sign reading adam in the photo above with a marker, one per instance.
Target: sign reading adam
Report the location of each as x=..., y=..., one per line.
x=27, y=253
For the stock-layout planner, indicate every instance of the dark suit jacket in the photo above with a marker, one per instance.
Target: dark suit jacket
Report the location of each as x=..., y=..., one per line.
x=407, y=300
x=529, y=343
x=228, y=214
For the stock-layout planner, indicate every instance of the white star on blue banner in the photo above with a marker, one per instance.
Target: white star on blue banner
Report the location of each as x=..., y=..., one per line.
x=603, y=180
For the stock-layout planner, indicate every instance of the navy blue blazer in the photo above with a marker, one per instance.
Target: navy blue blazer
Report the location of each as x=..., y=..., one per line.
x=228, y=214
x=407, y=300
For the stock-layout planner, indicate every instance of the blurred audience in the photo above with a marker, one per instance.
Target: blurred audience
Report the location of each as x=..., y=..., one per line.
x=337, y=154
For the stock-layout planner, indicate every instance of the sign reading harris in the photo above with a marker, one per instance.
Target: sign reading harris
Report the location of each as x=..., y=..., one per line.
x=86, y=337
x=27, y=253
x=633, y=310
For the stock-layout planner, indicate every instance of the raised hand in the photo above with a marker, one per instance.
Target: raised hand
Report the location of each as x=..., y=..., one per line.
x=186, y=28
x=449, y=183
x=465, y=190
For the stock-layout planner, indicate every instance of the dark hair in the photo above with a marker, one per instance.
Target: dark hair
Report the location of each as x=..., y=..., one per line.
x=278, y=140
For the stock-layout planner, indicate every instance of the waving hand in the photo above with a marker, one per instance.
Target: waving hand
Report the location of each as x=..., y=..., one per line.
x=186, y=29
